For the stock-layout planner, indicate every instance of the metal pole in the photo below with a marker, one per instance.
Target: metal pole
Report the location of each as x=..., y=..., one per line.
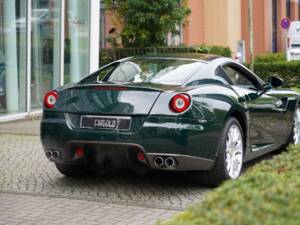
x=251, y=45
x=28, y=56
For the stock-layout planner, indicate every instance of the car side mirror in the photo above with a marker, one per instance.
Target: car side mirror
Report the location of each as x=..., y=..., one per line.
x=275, y=82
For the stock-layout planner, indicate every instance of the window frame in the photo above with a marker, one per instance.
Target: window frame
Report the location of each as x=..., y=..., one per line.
x=254, y=79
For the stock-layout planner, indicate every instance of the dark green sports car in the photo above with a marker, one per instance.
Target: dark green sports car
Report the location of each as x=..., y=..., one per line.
x=203, y=116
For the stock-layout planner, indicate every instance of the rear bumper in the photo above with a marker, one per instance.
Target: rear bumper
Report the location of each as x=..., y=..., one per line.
x=192, y=143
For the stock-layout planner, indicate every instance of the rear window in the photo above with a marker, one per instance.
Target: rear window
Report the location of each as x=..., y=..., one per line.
x=163, y=71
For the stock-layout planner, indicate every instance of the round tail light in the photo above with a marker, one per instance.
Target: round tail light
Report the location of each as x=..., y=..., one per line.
x=180, y=102
x=50, y=99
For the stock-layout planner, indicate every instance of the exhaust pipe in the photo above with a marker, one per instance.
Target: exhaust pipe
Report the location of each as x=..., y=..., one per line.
x=158, y=161
x=55, y=155
x=52, y=155
x=170, y=162
x=48, y=154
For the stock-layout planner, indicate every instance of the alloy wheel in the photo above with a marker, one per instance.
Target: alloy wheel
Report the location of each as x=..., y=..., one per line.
x=234, y=151
x=296, y=138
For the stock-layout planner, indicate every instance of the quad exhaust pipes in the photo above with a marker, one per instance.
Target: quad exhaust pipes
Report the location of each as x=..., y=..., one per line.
x=52, y=155
x=164, y=162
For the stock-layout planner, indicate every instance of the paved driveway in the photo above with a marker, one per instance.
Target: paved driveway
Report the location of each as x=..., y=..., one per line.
x=25, y=171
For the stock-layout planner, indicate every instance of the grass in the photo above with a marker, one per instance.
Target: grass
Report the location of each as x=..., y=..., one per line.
x=269, y=193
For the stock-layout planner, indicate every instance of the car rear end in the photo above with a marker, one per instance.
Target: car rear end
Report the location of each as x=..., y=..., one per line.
x=107, y=125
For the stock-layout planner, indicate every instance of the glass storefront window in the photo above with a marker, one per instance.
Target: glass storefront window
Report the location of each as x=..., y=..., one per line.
x=76, y=40
x=45, y=36
x=12, y=56
x=36, y=37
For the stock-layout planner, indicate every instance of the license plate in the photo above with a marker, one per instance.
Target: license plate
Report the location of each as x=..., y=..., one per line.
x=105, y=122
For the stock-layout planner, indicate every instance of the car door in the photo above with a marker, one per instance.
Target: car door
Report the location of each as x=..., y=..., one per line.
x=266, y=112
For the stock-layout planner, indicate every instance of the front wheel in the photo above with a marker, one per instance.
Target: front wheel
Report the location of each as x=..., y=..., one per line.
x=229, y=162
x=296, y=127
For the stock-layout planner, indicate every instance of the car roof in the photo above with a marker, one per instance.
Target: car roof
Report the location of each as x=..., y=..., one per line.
x=181, y=56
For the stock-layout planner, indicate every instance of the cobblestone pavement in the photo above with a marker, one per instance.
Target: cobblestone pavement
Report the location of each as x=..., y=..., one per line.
x=24, y=209
x=25, y=170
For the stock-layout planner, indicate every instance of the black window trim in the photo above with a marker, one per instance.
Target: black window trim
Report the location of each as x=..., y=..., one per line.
x=256, y=81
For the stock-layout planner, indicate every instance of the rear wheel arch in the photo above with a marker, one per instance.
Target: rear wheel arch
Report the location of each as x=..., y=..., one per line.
x=242, y=120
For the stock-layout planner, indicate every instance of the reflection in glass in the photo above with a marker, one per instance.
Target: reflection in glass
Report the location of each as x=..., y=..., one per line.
x=77, y=40
x=12, y=56
x=45, y=48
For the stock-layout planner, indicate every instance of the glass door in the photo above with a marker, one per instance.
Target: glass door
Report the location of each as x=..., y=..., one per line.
x=77, y=33
x=45, y=45
x=12, y=56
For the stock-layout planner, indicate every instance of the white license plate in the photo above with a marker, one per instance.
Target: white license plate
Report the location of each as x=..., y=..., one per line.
x=105, y=122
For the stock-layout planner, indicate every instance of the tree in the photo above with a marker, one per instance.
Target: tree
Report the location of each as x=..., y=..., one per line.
x=147, y=22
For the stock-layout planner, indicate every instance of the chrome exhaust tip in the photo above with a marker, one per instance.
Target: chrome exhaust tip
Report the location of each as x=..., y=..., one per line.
x=52, y=155
x=48, y=154
x=170, y=162
x=158, y=161
x=55, y=155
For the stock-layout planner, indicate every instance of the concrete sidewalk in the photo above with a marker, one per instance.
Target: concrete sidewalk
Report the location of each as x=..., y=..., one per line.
x=27, y=127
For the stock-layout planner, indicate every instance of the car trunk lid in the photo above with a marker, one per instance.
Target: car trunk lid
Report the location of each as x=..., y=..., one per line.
x=112, y=99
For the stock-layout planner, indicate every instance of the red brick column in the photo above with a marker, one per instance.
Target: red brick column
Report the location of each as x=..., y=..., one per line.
x=294, y=10
x=261, y=26
x=281, y=33
x=193, y=30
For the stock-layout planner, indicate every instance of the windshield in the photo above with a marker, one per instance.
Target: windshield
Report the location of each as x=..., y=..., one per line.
x=162, y=71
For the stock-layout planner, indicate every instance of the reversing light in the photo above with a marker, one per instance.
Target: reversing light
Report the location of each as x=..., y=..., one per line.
x=50, y=99
x=180, y=102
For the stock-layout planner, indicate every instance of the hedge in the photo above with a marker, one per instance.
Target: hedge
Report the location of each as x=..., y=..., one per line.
x=289, y=71
x=268, y=193
x=270, y=57
x=108, y=55
x=214, y=50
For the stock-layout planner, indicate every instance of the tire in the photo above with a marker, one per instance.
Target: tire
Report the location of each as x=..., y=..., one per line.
x=220, y=172
x=72, y=170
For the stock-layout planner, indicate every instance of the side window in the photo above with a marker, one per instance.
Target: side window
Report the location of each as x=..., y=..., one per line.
x=238, y=78
x=222, y=76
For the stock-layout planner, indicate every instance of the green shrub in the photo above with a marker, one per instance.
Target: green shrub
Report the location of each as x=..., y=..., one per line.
x=269, y=193
x=289, y=71
x=214, y=50
x=270, y=57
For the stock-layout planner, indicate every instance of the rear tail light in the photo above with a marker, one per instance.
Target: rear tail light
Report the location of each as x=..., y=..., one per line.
x=180, y=102
x=50, y=99
x=288, y=42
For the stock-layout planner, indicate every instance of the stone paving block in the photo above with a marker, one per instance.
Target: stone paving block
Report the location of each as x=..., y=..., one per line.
x=32, y=191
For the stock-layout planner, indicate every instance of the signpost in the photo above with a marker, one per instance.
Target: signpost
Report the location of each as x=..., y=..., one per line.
x=285, y=24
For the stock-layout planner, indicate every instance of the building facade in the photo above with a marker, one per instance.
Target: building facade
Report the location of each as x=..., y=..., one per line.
x=225, y=23
x=44, y=44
